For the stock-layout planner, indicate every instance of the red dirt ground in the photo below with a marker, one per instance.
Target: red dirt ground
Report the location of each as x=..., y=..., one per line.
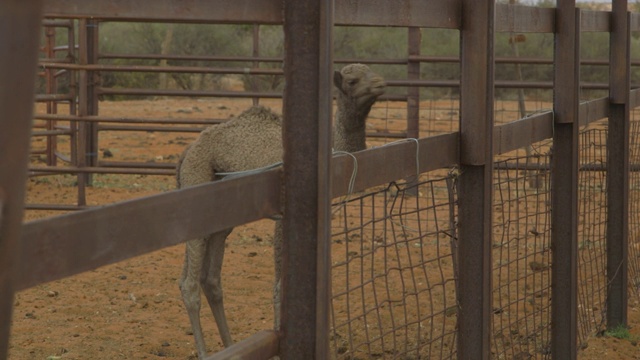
x=133, y=309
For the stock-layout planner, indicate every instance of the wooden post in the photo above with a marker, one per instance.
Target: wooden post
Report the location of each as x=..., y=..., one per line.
x=564, y=183
x=618, y=166
x=476, y=180
x=20, y=31
x=307, y=110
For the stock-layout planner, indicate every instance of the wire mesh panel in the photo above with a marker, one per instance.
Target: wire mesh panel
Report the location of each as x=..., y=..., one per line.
x=634, y=203
x=592, y=245
x=522, y=257
x=393, y=273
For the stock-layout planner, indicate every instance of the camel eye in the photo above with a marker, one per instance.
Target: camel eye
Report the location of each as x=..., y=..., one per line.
x=352, y=82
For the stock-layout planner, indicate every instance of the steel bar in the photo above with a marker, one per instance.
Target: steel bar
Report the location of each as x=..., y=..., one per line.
x=53, y=97
x=306, y=224
x=108, y=119
x=518, y=18
x=41, y=170
x=476, y=180
x=58, y=207
x=259, y=59
x=200, y=93
x=564, y=192
x=149, y=128
x=262, y=345
x=418, y=13
x=127, y=229
x=166, y=69
x=595, y=21
x=618, y=167
x=413, y=93
x=20, y=32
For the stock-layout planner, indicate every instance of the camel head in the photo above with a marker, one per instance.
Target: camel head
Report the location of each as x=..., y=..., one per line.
x=359, y=84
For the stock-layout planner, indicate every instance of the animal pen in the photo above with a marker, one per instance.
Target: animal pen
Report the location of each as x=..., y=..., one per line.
x=460, y=244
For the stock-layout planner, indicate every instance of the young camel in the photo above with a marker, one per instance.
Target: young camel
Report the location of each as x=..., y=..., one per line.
x=253, y=140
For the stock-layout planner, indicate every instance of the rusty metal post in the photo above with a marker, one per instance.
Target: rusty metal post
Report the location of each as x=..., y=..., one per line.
x=73, y=92
x=307, y=109
x=256, y=64
x=413, y=92
x=87, y=104
x=618, y=166
x=413, y=96
x=20, y=31
x=52, y=106
x=476, y=180
x=564, y=183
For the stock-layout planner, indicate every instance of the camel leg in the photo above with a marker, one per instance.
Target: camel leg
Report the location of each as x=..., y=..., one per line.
x=190, y=289
x=212, y=285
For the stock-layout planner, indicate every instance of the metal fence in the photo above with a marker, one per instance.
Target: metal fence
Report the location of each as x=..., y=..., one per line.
x=462, y=264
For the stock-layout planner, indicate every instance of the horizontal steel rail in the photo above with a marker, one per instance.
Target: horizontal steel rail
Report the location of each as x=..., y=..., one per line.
x=261, y=345
x=419, y=13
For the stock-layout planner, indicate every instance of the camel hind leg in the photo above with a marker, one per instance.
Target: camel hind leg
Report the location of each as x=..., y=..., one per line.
x=211, y=282
x=190, y=289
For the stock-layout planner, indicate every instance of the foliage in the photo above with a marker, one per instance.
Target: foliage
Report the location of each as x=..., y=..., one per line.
x=622, y=332
x=350, y=43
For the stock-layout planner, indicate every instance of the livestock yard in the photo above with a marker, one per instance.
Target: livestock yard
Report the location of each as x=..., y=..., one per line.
x=390, y=291
x=493, y=214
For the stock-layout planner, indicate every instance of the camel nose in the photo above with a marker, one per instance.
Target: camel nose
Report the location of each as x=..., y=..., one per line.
x=378, y=83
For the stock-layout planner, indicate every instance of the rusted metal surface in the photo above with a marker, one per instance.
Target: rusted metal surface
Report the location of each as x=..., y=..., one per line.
x=564, y=217
x=406, y=13
x=262, y=345
x=476, y=180
x=20, y=31
x=420, y=13
x=518, y=18
x=124, y=230
x=618, y=144
x=307, y=188
x=594, y=21
x=206, y=11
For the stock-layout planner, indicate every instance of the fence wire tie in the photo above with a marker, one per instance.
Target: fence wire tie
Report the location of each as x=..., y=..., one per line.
x=417, y=175
x=352, y=180
x=232, y=174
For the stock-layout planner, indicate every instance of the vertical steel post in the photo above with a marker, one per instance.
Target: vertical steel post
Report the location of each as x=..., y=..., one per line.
x=255, y=53
x=413, y=97
x=476, y=180
x=564, y=183
x=87, y=103
x=52, y=87
x=413, y=92
x=73, y=90
x=20, y=32
x=307, y=162
x=618, y=166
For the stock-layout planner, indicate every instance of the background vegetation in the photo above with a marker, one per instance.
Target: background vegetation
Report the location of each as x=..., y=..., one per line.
x=350, y=43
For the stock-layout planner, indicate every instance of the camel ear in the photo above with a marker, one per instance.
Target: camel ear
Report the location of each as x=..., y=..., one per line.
x=337, y=79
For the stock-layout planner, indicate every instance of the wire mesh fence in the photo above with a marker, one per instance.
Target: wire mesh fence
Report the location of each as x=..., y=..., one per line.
x=522, y=257
x=634, y=203
x=394, y=273
x=394, y=253
x=592, y=275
